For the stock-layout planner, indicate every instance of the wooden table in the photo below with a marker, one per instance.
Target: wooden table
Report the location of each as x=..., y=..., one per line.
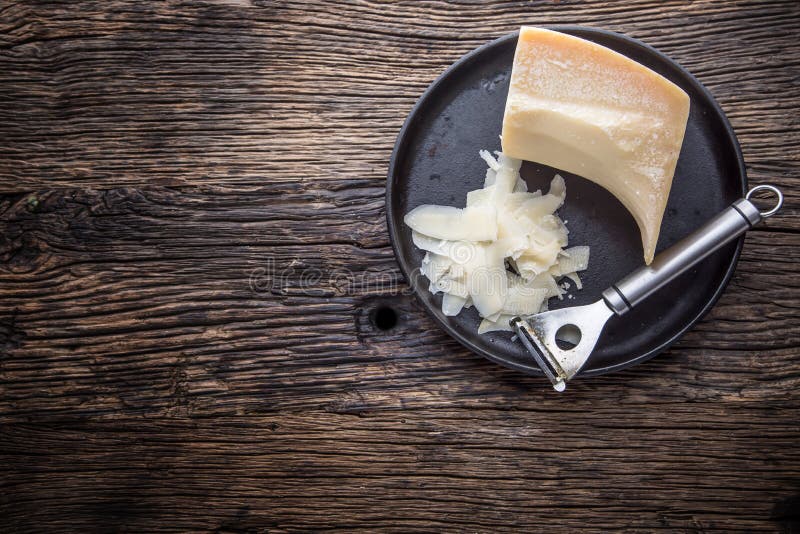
x=172, y=172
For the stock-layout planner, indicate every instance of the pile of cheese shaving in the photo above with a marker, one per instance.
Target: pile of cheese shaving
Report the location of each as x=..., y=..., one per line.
x=503, y=253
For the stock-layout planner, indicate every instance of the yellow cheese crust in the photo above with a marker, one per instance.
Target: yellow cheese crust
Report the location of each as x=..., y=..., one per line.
x=583, y=108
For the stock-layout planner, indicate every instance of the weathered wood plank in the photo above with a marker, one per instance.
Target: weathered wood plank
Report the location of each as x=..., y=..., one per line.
x=141, y=299
x=104, y=97
x=428, y=470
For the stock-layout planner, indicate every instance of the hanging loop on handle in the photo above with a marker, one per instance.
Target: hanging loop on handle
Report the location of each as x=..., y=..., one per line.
x=771, y=189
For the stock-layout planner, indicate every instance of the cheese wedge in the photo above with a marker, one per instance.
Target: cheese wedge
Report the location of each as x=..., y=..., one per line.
x=585, y=109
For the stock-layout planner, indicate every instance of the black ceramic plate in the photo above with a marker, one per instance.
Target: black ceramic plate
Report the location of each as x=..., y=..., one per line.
x=435, y=161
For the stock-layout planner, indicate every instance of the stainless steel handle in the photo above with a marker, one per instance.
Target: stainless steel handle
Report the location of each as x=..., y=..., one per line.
x=669, y=264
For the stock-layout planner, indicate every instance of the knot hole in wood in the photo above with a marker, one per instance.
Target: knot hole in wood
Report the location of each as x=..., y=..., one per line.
x=384, y=317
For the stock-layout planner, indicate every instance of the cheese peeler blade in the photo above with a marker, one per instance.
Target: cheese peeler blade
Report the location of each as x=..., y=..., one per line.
x=561, y=341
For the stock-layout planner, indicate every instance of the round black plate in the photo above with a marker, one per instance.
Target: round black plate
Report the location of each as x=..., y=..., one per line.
x=435, y=161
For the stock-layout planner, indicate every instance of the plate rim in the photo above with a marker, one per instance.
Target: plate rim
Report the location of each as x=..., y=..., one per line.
x=570, y=30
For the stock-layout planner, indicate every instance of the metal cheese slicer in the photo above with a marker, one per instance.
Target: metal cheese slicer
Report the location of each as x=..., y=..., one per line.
x=561, y=341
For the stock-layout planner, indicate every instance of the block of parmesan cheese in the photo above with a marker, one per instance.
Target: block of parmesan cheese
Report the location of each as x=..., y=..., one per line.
x=585, y=109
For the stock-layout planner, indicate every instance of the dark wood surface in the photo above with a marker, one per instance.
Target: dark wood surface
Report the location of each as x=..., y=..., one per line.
x=171, y=172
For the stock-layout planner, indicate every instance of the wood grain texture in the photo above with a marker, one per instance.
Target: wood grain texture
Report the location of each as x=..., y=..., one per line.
x=426, y=470
x=193, y=241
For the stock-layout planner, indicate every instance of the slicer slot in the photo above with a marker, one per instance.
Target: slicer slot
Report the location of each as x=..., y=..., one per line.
x=548, y=365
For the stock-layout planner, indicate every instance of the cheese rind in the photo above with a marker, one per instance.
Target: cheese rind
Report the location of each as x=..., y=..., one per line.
x=585, y=109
